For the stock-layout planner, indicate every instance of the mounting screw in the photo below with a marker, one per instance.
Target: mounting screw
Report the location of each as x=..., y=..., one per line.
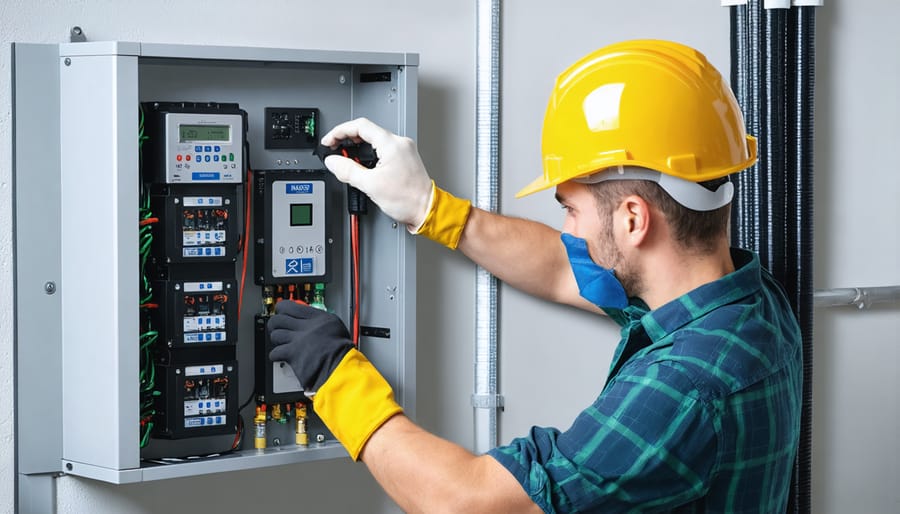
x=320, y=438
x=394, y=225
x=50, y=287
x=276, y=441
x=69, y=466
x=76, y=35
x=67, y=61
x=342, y=79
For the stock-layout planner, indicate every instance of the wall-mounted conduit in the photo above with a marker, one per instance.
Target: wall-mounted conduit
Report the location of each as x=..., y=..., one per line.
x=861, y=297
x=773, y=69
x=486, y=400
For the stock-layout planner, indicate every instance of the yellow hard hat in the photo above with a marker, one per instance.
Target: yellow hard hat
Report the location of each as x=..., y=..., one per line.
x=650, y=104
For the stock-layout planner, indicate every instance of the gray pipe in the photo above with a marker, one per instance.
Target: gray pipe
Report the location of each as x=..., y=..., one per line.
x=861, y=297
x=486, y=400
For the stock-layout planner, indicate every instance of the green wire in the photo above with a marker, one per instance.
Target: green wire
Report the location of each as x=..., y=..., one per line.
x=147, y=375
x=147, y=429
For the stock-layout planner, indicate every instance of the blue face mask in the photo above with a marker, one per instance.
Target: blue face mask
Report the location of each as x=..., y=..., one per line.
x=596, y=284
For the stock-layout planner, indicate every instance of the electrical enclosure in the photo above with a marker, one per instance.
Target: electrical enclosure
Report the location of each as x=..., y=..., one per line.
x=137, y=255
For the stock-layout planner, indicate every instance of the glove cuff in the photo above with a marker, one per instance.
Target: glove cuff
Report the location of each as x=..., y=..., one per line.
x=446, y=218
x=355, y=401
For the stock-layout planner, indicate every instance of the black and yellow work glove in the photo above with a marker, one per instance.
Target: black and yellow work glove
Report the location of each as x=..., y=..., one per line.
x=349, y=394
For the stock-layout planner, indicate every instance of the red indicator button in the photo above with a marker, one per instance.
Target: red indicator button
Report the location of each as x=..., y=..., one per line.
x=187, y=157
x=178, y=157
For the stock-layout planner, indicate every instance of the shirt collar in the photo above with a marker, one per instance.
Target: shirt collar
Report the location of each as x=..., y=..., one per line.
x=658, y=323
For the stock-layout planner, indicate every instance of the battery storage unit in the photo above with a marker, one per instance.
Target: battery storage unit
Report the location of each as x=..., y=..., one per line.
x=80, y=128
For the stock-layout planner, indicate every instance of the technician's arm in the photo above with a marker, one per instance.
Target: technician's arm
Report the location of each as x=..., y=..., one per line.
x=424, y=473
x=525, y=254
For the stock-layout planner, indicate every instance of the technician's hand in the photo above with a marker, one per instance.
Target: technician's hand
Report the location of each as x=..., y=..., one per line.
x=399, y=183
x=351, y=397
x=311, y=340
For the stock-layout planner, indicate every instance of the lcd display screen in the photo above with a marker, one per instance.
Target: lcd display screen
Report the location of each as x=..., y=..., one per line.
x=198, y=133
x=301, y=214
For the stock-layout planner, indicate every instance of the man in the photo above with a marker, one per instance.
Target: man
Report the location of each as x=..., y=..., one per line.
x=701, y=410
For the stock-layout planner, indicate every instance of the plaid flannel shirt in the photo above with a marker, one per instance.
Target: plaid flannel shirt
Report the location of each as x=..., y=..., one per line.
x=700, y=413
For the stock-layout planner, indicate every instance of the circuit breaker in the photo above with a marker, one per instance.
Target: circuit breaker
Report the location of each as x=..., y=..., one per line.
x=190, y=203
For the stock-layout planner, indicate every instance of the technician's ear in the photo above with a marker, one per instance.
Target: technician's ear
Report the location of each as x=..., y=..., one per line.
x=635, y=219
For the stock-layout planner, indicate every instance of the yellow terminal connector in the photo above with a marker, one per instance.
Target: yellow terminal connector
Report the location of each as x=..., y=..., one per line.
x=307, y=293
x=268, y=300
x=276, y=413
x=302, y=436
x=259, y=423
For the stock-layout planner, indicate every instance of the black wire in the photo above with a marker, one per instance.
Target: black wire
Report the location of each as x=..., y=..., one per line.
x=252, y=394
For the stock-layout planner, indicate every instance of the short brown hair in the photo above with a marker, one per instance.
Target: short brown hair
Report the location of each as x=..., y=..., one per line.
x=692, y=230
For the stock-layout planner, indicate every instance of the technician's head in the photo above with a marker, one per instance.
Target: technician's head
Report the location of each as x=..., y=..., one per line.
x=650, y=122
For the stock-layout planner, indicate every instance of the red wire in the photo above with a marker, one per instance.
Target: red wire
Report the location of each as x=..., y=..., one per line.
x=148, y=221
x=354, y=244
x=246, y=241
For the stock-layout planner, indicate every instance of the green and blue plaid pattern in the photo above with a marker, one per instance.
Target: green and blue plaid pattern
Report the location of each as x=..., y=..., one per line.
x=701, y=411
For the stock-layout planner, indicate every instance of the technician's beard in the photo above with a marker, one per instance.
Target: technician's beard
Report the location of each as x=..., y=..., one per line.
x=611, y=257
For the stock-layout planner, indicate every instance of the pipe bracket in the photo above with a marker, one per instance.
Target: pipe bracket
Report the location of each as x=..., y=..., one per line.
x=487, y=401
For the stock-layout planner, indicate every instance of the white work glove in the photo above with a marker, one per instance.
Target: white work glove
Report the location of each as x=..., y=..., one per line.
x=398, y=184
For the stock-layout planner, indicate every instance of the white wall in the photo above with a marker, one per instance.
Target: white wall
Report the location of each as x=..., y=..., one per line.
x=857, y=415
x=856, y=408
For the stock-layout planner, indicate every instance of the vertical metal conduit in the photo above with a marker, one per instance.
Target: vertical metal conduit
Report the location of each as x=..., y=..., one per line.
x=801, y=81
x=773, y=69
x=486, y=399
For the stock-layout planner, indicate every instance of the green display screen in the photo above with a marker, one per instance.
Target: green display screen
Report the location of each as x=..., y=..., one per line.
x=196, y=133
x=301, y=214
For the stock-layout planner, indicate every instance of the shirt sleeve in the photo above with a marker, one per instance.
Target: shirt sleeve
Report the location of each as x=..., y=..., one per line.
x=647, y=443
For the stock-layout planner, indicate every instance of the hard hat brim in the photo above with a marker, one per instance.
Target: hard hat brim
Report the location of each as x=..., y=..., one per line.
x=538, y=184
